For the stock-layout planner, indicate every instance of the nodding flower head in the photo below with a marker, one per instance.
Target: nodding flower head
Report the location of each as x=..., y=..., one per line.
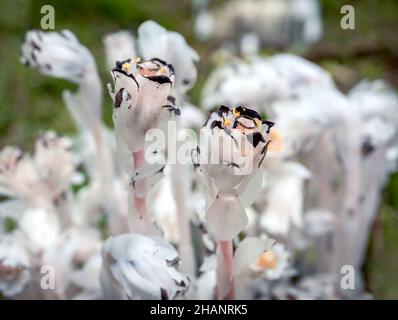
x=57, y=54
x=141, y=267
x=232, y=147
x=141, y=97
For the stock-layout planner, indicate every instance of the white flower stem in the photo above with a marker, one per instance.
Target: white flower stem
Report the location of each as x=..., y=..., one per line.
x=181, y=194
x=141, y=223
x=225, y=283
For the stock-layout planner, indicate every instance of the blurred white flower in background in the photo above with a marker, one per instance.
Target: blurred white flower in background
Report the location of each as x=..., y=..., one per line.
x=258, y=82
x=60, y=55
x=284, y=197
x=119, y=46
x=14, y=265
x=141, y=267
x=276, y=23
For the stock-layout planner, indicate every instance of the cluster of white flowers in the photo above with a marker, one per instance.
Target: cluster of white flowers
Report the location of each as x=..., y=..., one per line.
x=89, y=217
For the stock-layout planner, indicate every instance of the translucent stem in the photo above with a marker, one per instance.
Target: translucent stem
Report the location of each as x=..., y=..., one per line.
x=181, y=193
x=138, y=211
x=225, y=283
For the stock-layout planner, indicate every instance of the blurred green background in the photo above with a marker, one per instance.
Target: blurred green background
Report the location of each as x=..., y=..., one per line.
x=30, y=102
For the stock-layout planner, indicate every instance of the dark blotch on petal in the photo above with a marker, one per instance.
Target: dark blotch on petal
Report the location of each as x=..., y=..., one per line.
x=126, y=74
x=170, y=108
x=248, y=112
x=255, y=138
x=33, y=57
x=160, y=79
x=162, y=62
x=171, y=99
x=232, y=164
x=264, y=152
x=173, y=263
x=163, y=294
x=270, y=124
x=119, y=98
x=367, y=148
x=180, y=284
x=119, y=64
x=195, y=161
x=35, y=46
x=216, y=123
x=160, y=170
x=222, y=109
x=171, y=68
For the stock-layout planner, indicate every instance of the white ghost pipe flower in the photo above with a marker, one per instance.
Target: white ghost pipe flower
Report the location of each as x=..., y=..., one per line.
x=14, y=265
x=135, y=266
x=155, y=41
x=376, y=105
x=60, y=55
x=141, y=97
x=42, y=180
x=232, y=147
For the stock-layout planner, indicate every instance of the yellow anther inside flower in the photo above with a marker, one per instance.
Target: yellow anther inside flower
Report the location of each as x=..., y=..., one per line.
x=276, y=141
x=227, y=122
x=258, y=122
x=163, y=70
x=267, y=260
x=235, y=113
x=126, y=66
x=137, y=60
